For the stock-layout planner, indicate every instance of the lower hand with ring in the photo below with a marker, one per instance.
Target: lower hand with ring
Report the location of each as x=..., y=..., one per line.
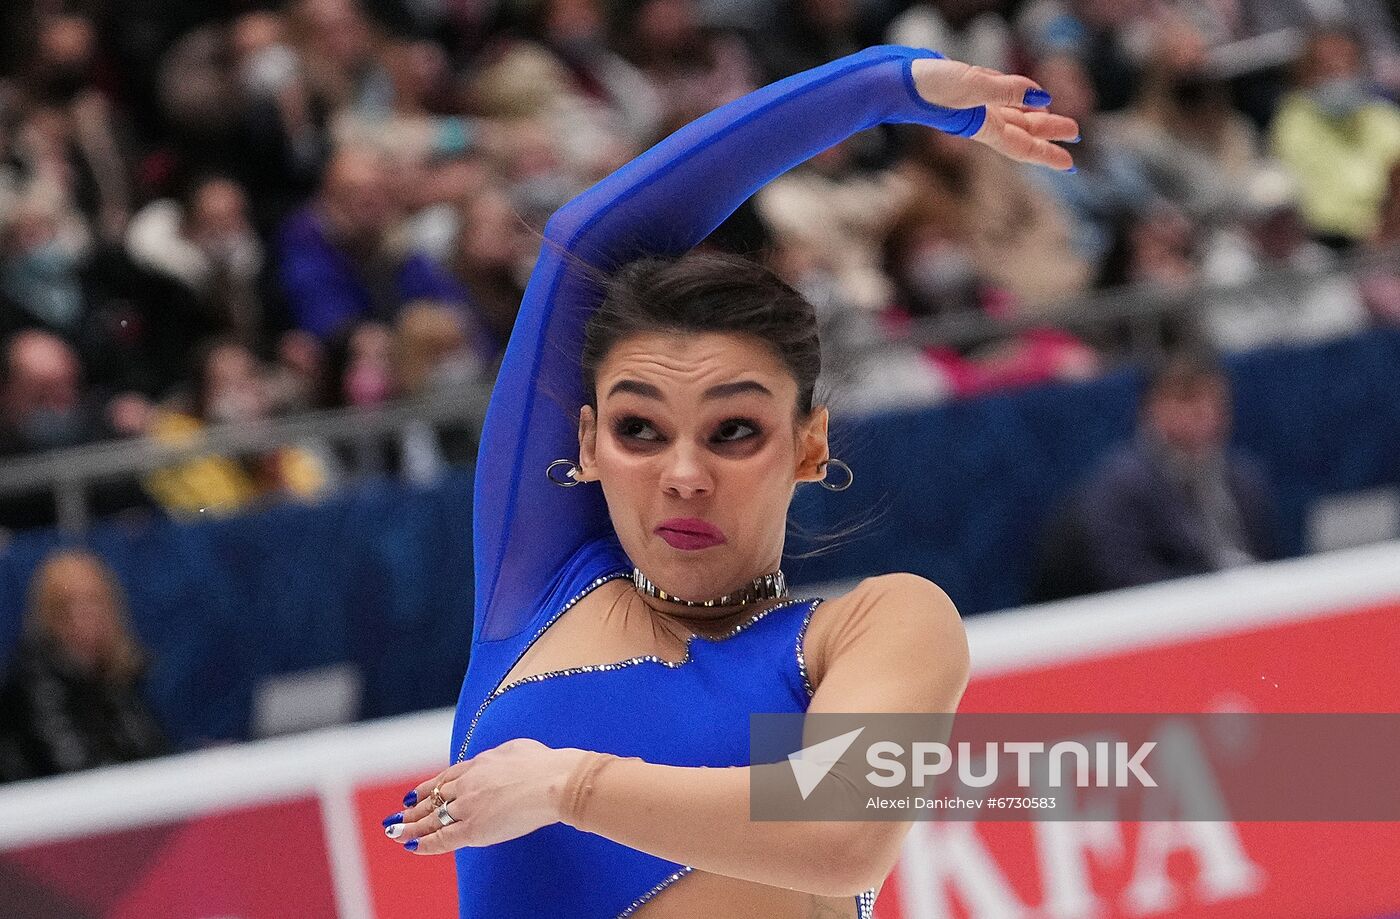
x=499, y=794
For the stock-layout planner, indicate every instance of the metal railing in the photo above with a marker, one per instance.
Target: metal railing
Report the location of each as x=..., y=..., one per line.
x=70, y=473
x=1141, y=307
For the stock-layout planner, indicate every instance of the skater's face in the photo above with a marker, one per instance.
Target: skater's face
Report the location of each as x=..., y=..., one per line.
x=702, y=426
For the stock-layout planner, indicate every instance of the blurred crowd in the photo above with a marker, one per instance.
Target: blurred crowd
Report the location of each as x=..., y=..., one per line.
x=225, y=211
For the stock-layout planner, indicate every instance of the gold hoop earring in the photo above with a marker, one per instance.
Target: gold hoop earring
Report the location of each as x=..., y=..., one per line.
x=572, y=473
x=850, y=476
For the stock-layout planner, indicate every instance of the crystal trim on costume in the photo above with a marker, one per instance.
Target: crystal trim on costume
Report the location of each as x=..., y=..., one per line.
x=596, y=582
x=667, y=882
x=865, y=900
x=801, y=659
x=589, y=668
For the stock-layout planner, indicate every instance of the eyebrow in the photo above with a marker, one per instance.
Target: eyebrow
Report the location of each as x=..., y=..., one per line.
x=637, y=387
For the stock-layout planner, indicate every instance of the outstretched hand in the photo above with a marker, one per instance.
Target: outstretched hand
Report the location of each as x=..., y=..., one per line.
x=1014, y=126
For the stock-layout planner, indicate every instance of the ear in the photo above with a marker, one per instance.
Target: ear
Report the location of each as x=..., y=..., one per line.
x=587, y=443
x=812, y=447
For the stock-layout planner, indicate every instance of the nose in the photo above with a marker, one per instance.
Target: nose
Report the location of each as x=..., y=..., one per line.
x=685, y=474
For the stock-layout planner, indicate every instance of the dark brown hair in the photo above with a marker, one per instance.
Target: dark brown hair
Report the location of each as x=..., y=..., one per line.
x=706, y=292
x=1187, y=366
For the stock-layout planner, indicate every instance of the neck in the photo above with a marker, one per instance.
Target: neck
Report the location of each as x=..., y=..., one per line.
x=707, y=620
x=758, y=593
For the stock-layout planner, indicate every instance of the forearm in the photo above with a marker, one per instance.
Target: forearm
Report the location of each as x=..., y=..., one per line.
x=672, y=196
x=699, y=816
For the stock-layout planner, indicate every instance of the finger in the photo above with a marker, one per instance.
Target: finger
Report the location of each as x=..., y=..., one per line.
x=421, y=795
x=1020, y=145
x=957, y=85
x=438, y=842
x=1045, y=125
x=421, y=791
x=995, y=88
x=409, y=833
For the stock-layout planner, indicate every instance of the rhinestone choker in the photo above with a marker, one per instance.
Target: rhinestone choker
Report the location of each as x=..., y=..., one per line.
x=764, y=587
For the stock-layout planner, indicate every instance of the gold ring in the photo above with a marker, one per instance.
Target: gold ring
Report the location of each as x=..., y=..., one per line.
x=436, y=798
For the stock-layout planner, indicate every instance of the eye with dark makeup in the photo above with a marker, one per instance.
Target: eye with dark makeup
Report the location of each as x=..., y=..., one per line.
x=629, y=427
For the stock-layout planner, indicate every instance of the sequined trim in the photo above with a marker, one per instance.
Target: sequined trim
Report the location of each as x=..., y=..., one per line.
x=865, y=900
x=595, y=583
x=801, y=659
x=589, y=668
x=640, y=901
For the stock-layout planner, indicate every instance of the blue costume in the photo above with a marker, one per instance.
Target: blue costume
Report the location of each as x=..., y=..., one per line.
x=540, y=548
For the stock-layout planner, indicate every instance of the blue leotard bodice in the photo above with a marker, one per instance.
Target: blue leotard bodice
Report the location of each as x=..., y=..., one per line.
x=538, y=548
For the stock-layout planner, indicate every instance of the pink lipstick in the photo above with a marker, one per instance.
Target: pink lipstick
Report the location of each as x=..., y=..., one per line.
x=689, y=533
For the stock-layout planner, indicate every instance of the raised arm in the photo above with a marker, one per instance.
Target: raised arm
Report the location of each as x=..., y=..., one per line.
x=665, y=202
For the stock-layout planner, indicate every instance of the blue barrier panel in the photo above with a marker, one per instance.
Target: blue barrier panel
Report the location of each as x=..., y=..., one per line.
x=380, y=576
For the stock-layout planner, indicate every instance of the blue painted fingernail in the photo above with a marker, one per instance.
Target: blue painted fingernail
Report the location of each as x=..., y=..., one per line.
x=410, y=799
x=1072, y=169
x=393, y=819
x=1076, y=138
x=411, y=845
x=1037, y=98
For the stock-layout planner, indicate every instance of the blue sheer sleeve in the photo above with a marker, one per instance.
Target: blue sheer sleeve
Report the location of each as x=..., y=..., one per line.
x=663, y=202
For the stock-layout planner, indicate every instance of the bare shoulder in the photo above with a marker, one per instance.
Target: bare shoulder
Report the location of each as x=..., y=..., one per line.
x=898, y=595
x=900, y=607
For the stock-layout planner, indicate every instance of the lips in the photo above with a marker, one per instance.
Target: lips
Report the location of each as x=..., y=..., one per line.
x=689, y=533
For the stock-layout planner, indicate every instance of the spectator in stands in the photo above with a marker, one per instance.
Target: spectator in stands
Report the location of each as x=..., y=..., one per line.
x=839, y=213
x=1198, y=151
x=1369, y=20
x=43, y=407
x=360, y=367
x=1177, y=500
x=206, y=244
x=285, y=136
x=493, y=253
x=74, y=137
x=73, y=697
x=573, y=33
x=341, y=49
x=693, y=68
x=1299, y=291
x=43, y=404
x=42, y=254
x=974, y=31
x=434, y=353
x=1380, y=281
x=1112, y=182
x=799, y=34
x=231, y=388
x=936, y=277
x=1339, y=139
x=337, y=260
x=1107, y=35
x=1015, y=230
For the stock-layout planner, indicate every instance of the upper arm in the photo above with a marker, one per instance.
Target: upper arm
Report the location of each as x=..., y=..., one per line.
x=895, y=644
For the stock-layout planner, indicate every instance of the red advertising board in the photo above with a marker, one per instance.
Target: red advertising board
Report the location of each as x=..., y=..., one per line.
x=264, y=862
x=1346, y=662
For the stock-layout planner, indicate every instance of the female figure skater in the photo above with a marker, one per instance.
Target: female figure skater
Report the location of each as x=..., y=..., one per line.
x=600, y=750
